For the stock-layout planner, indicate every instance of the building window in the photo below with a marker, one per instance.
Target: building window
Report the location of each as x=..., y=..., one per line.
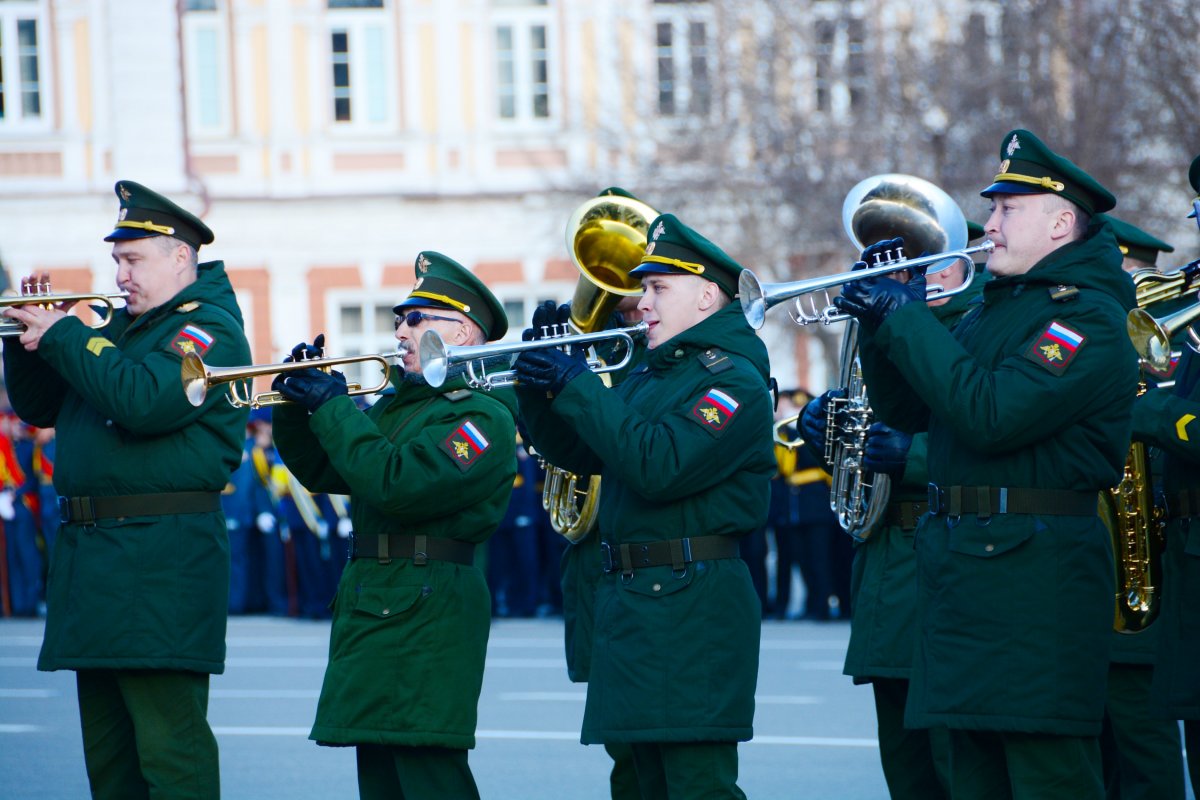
x=206, y=69
x=840, y=59
x=360, y=68
x=523, y=56
x=22, y=80
x=364, y=325
x=356, y=3
x=683, y=57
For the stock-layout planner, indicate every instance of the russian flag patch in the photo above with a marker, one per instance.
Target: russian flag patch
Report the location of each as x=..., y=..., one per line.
x=192, y=339
x=715, y=409
x=1055, y=347
x=465, y=445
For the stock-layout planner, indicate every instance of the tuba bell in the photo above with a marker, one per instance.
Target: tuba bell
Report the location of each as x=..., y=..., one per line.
x=606, y=237
x=881, y=207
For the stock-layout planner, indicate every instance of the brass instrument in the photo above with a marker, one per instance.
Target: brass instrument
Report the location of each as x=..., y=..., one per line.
x=1151, y=336
x=882, y=207
x=437, y=357
x=777, y=432
x=39, y=294
x=198, y=378
x=878, y=208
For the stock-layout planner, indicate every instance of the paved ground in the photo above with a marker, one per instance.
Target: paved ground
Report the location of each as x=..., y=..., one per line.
x=815, y=733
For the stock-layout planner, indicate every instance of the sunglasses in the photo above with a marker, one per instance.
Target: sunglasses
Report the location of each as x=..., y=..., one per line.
x=414, y=318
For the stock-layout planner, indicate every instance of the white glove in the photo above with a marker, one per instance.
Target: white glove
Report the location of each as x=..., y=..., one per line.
x=7, y=511
x=345, y=528
x=265, y=522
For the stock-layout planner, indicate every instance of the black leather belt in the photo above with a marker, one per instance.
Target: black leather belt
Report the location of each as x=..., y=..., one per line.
x=386, y=546
x=86, y=510
x=1183, y=504
x=676, y=553
x=904, y=514
x=987, y=500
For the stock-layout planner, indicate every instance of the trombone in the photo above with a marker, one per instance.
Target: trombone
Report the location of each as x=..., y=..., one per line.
x=198, y=378
x=437, y=357
x=758, y=297
x=45, y=299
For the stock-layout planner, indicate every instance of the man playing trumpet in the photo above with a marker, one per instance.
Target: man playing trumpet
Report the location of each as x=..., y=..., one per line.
x=430, y=472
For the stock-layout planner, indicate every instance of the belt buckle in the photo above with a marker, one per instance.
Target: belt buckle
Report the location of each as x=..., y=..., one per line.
x=64, y=510
x=934, y=496
x=606, y=558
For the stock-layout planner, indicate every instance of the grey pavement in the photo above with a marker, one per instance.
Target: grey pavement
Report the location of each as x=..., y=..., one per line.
x=814, y=730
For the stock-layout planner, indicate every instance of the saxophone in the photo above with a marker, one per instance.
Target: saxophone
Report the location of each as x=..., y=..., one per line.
x=1135, y=522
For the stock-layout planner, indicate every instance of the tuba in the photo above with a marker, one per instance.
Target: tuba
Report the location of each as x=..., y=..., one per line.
x=881, y=207
x=606, y=237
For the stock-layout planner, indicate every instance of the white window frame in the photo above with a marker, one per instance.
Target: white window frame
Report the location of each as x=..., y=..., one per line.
x=371, y=339
x=681, y=16
x=208, y=77
x=15, y=119
x=370, y=36
x=521, y=20
x=839, y=83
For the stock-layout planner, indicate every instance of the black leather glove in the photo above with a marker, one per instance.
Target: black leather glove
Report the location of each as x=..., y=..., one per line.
x=547, y=319
x=874, y=300
x=886, y=450
x=311, y=388
x=549, y=369
x=814, y=420
x=305, y=351
x=887, y=250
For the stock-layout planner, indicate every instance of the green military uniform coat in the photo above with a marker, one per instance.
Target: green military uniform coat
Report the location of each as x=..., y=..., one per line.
x=1016, y=612
x=407, y=645
x=883, y=583
x=675, y=657
x=145, y=592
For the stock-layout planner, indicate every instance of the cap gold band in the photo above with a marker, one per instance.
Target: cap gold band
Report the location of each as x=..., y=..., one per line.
x=165, y=230
x=1045, y=182
x=441, y=298
x=696, y=269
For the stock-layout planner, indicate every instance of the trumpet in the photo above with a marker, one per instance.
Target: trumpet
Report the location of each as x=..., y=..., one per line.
x=1152, y=335
x=758, y=297
x=198, y=378
x=437, y=357
x=42, y=296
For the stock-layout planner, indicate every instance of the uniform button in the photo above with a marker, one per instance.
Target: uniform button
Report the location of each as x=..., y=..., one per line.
x=679, y=354
x=108, y=423
x=990, y=547
x=386, y=611
x=657, y=587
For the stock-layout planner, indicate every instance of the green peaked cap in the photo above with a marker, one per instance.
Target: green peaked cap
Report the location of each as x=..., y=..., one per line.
x=974, y=231
x=145, y=212
x=1135, y=242
x=444, y=283
x=676, y=249
x=1028, y=166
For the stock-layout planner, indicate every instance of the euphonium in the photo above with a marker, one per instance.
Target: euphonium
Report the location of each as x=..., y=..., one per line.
x=606, y=237
x=882, y=207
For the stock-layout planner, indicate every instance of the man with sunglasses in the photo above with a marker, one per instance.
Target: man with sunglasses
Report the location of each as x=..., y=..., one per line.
x=429, y=472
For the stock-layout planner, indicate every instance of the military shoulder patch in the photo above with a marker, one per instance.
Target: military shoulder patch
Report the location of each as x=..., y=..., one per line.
x=1056, y=347
x=465, y=445
x=192, y=339
x=715, y=409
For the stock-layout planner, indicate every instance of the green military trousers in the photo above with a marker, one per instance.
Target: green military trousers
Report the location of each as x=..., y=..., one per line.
x=915, y=762
x=990, y=765
x=686, y=770
x=393, y=772
x=622, y=781
x=146, y=733
x=1143, y=754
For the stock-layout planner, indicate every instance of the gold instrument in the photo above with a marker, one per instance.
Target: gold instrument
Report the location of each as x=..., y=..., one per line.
x=777, y=432
x=878, y=208
x=1151, y=336
x=39, y=294
x=198, y=378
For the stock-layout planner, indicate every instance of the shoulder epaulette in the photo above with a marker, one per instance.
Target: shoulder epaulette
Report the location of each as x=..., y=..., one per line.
x=457, y=394
x=715, y=360
x=189, y=306
x=1063, y=293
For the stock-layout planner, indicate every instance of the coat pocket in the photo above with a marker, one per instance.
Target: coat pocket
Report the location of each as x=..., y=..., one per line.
x=386, y=603
x=659, y=581
x=991, y=540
